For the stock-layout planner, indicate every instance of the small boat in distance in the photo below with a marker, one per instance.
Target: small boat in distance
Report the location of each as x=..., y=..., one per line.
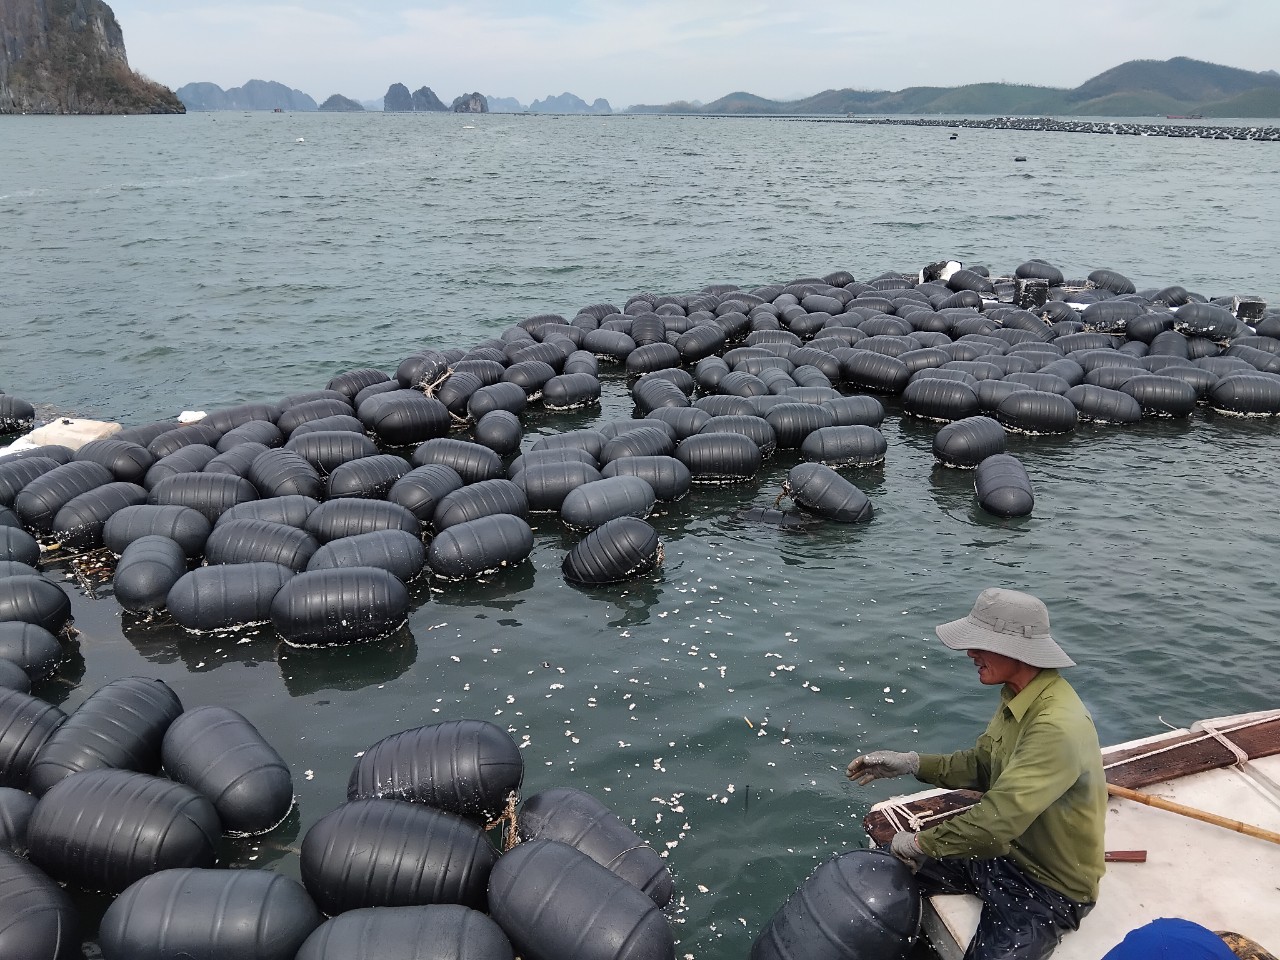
x=278, y=110
x=1183, y=116
x=1161, y=863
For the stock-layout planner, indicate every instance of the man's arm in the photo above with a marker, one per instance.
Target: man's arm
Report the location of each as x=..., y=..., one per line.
x=962, y=770
x=1043, y=766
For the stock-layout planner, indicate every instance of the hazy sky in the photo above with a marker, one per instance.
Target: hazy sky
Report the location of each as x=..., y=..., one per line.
x=657, y=51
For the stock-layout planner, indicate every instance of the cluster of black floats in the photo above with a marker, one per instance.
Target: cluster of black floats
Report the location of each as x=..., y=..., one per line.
x=1185, y=131
x=131, y=795
x=294, y=513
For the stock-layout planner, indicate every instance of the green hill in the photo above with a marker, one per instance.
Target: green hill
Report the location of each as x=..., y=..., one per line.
x=1138, y=88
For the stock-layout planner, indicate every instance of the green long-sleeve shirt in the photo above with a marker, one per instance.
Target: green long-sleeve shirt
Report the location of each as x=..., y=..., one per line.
x=1045, y=795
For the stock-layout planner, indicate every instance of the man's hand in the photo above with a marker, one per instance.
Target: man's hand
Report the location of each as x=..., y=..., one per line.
x=906, y=848
x=882, y=764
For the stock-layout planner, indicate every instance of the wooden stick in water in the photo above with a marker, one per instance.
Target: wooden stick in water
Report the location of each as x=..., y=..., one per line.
x=1248, y=829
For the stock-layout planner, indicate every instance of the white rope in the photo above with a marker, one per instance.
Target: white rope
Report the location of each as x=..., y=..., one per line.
x=1241, y=757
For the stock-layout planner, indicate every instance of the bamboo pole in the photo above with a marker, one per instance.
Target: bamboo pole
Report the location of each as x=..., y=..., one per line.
x=1204, y=816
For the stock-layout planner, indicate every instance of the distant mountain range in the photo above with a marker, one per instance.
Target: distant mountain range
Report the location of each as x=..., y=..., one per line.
x=1179, y=86
x=254, y=95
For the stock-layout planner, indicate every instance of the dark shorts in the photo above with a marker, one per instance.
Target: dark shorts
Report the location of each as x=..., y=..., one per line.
x=1022, y=919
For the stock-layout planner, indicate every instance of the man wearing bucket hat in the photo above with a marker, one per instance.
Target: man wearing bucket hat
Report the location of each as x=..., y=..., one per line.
x=1032, y=848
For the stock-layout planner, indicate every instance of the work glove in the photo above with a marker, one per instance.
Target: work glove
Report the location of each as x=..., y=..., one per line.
x=882, y=764
x=906, y=848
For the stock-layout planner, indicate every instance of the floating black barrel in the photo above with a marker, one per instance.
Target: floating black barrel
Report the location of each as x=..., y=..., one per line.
x=145, y=433
x=855, y=411
x=400, y=554
x=192, y=434
x=720, y=457
x=1169, y=343
x=422, y=369
x=16, y=807
x=254, y=541
x=1117, y=283
x=339, y=422
x=105, y=829
x=346, y=518
x=592, y=441
x=1206, y=320
x=404, y=417
x=227, y=596
x=17, y=472
x=437, y=932
x=530, y=376
x=192, y=458
x=338, y=606
x=1067, y=369
x=570, y=391
x=500, y=431
x=16, y=414
x=35, y=600
x=39, y=501
x=1108, y=316
x=581, y=361
x=701, y=341
x=237, y=460
x=13, y=677
x=593, y=504
x=1039, y=270
x=480, y=546
x=925, y=358
x=37, y=919
x=685, y=421
x=388, y=853
x=483, y=499
x=652, y=356
x=326, y=450
x=120, y=727
x=1264, y=361
x=471, y=461
x=756, y=429
x=246, y=914
x=32, y=648
x=552, y=354
x=17, y=544
x=506, y=396
x=229, y=418
x=613, y=552
x=295, y=416
x=611, y=345
x=644, y=441
x=292, y=511
x=1034, y=411
x=353, y=381
x=869, y=370
x=556, y=903
x=1045, y=382
x=373, y=390
x=657, y=393
x=720, y=405
x=127, y=461
x=852, y=446
x=310, y=396
x=1247, y=394
x=1161, y=396
x=739, y=383
x=222, y=756
x=1110, y=377
x=669, y=479
x=283, y=473
x=1003, y=487
x=587, y=825
x=78, y=524
x=422, y=488
x=210, y=494
x=25, y=724
x=821, y=489
x=966, y=443
x=793, y=422
x=465, y=767
x=546, y=483
x=860, y=905
x=369, y=478
x=189, y=528
x=146, y=572
x=939, y=399
x=1096, y=404
x=709, y=372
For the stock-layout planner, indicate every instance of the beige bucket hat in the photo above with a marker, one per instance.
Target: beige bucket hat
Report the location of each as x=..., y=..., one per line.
x=1010, y=623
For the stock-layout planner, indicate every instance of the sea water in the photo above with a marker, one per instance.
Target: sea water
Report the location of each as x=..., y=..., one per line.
x=153, y=265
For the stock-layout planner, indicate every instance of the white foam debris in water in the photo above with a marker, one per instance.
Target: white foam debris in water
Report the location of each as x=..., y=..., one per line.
x=309, y=774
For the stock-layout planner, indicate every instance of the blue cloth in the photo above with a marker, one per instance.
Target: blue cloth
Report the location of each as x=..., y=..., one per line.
x=1170, y=939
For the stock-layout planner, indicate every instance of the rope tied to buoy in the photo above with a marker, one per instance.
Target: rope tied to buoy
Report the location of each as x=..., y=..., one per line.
x=507, y=820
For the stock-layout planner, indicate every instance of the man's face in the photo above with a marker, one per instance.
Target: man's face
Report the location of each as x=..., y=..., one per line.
x=994, y=668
